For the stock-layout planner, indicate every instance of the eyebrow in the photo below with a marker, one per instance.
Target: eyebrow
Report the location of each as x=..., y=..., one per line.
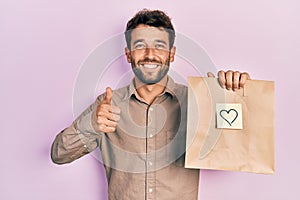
x=161, y=41
x=142, y=40
x=137, y=41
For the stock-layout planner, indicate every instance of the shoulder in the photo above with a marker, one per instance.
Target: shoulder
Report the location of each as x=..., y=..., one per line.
x=180, y=90
x=122, y=92
x=118, y=94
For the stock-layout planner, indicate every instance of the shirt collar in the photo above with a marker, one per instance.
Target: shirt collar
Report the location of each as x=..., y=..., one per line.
x=170, y=87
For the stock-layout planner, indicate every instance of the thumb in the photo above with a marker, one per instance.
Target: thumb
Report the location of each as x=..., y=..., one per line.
x=108, y=95
x=210, y=74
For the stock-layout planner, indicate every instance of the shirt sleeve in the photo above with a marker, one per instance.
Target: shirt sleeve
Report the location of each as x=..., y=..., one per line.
x=77, y=140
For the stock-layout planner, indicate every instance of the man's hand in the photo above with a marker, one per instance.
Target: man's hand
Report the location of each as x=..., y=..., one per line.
x=231, y=80
x=107, y=115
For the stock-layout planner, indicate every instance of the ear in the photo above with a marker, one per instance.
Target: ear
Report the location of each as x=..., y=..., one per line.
x=172, y=53
x=127, y=53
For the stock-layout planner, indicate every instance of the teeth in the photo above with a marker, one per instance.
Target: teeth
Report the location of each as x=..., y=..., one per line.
x=149, y=66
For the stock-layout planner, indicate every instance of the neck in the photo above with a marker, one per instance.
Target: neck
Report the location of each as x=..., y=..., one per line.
x=150, y=92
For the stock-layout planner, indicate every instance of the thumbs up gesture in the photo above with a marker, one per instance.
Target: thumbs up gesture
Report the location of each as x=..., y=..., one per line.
x=107, y=115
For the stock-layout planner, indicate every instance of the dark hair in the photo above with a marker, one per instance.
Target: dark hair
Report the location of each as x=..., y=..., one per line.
x=155, y=18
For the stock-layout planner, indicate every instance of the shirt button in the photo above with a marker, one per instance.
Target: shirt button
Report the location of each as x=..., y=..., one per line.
x=151, y=109
x=150, y=190
x=150, y=163
x=151, y=135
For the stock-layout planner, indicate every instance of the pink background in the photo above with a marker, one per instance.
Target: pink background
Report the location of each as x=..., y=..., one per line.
x=44, y=43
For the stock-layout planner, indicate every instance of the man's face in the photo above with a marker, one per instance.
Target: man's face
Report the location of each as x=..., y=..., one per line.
x=150, y=55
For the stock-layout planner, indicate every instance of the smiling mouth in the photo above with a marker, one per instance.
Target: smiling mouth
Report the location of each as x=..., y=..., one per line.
x=150, y=66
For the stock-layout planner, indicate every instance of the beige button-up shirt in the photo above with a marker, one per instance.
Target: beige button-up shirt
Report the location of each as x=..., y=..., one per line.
x=144, y=158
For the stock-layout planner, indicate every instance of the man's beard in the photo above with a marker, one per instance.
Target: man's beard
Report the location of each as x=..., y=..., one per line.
x=150, y=78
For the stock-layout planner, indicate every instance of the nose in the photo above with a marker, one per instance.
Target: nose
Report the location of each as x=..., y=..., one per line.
x=149, y=52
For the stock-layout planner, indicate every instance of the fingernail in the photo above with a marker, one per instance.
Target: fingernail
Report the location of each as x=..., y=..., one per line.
x=117, y=117
x=117, y=110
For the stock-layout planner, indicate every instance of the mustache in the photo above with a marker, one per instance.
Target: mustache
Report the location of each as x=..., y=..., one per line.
x=147, y=60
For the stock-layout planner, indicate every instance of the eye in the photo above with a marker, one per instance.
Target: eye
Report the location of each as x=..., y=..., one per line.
x=160, y=46
x=139, y=45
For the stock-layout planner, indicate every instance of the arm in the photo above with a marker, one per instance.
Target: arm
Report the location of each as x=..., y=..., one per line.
x=85, y=133
x=77, y=140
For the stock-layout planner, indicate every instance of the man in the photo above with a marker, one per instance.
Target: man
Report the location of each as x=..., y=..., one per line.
x=140, y=129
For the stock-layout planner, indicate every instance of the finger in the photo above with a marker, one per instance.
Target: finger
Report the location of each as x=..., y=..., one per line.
x=228, y=77
x=106, y=129
x=108, y=95
x=106, y=122
x=103, y=108
x=107, y=108
x=210, y=74
x=115, y=109
x=109, y=116
x=114, y=117
x=244, y=76
x=236, y=80
x=221, y=78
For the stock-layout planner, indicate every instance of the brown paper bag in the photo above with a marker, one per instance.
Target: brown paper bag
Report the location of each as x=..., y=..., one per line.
x=249, y=148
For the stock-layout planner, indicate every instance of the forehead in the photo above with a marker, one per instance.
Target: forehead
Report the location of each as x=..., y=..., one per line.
x=149, y=34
